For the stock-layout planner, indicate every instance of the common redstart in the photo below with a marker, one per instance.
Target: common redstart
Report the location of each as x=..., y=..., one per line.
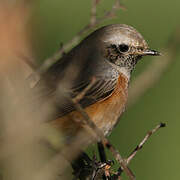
x=109, y=55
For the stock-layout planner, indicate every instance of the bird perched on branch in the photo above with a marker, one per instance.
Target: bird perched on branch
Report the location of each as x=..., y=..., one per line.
x=108, y=56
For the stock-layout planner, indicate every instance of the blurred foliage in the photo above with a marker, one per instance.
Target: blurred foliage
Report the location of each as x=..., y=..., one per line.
x=56, y=22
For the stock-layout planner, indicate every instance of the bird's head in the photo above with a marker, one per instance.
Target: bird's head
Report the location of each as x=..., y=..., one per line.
x=122, y=46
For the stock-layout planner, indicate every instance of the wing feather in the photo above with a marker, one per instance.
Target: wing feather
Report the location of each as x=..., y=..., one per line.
x=106, y=78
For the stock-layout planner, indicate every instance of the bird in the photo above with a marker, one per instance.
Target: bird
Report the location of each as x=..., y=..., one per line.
x=109, y=55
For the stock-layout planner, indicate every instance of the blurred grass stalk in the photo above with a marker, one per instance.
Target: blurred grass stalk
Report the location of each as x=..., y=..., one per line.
x=154, y=71
x=22, y=156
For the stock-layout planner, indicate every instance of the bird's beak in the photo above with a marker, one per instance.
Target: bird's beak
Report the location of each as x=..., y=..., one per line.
x=149, y=52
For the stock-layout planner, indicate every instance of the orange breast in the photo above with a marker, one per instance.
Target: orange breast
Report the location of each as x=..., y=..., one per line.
x=104, y=113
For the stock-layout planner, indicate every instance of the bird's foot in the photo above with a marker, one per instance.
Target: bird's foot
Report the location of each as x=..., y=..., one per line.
x=91, y=169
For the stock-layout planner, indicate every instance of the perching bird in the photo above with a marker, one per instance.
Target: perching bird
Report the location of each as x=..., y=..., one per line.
x=108, y=55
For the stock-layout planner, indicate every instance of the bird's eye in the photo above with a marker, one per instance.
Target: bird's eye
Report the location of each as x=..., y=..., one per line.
x=123, y=48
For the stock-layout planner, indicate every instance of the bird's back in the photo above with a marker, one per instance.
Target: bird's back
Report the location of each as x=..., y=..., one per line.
x=73, y=73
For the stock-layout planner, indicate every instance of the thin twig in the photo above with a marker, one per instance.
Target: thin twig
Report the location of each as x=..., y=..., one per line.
x=138, y=147
x=104, y=140
x=93, y=12
x=82, y=93
x=93, y=23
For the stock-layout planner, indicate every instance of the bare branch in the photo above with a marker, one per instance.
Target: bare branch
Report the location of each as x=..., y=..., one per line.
x=148, y=135
x=139, y=147
x=93, y=23
x=104, y=140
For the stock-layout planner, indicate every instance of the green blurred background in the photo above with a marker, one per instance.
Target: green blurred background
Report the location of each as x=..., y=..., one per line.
x=57, y=21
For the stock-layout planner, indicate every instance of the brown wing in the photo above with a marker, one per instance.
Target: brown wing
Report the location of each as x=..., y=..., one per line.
x=105, y=74
x=100, y=90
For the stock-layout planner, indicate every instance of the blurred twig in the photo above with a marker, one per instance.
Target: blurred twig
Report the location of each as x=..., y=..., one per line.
x=93, y=12
x=94, y=21
x=104, y=140
x=22, y=156
x=155, y=70
x=82, y=94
